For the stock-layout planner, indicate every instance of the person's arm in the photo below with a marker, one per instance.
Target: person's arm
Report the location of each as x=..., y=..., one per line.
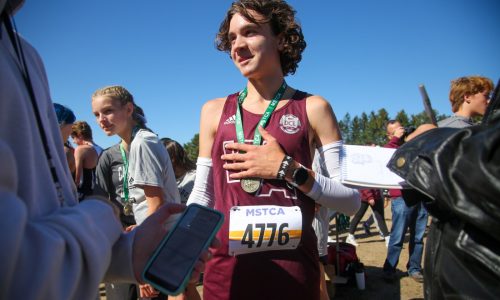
x=103, y=176
x=70, y=248
x=154, y=197
x=420, y=129
x=203, y=185
x=203, y=188
x=70, y=157
x=396, y=140
x=80, y=153
x=209, y=121
x=327, y=188
x=147, y=168
x=368, y=196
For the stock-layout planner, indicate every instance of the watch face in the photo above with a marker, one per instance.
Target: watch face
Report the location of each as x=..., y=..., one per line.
x=300, y=176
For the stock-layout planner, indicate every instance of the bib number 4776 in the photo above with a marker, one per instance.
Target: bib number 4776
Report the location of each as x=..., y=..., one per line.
x=259, y=228
x=282, y=237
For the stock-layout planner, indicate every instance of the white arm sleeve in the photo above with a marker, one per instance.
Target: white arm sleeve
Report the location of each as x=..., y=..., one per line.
x=203, y=189
x=327, y=189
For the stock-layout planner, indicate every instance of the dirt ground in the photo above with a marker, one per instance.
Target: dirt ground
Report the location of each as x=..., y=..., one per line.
x=372, y=252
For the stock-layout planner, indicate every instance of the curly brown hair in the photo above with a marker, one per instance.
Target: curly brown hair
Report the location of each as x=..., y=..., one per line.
x=467, y=86
x=281, y=17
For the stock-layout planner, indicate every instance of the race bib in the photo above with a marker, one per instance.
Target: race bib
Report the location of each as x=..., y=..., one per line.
x=260, y=228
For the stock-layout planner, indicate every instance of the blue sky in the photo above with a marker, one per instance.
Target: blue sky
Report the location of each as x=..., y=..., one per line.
x=361, y=55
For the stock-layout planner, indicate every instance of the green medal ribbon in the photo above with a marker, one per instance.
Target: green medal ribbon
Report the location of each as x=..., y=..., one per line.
x=265, y=117
x=125, y=165
x=125, y=173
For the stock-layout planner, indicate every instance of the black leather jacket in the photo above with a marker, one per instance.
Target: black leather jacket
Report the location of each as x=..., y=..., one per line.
x=456, y=172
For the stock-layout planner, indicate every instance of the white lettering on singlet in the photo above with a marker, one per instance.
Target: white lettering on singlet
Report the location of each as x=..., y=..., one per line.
x=264, y=211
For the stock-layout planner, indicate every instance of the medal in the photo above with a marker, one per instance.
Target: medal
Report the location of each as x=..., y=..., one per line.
x=127, y=209
x=250, y=185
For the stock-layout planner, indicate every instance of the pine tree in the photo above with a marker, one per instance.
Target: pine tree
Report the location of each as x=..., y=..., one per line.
x=344, y=126
x=356, y=132
x=192, y=147
x=370, y=128
x=402, y=117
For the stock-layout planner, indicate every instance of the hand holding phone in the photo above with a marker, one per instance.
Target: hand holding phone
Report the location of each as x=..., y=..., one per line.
x=170, y=267
x=148, y=236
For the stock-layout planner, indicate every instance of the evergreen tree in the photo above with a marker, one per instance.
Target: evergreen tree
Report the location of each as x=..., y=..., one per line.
x=365, y=134
x=402, y=117
x=192, y=147
x=344, y=126
x=376, y=127
x=356, y=137
x=370, y=128
x=383, y=116
x=419, y=119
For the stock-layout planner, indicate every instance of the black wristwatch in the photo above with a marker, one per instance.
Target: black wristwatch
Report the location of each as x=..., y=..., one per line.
x=299, y=176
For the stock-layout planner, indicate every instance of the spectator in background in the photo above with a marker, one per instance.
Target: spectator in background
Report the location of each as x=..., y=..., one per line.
x=148, y=179
x=148, y=169
x=65, y=119
x=469, y=97
x=374, y=199
x=86, y=157
x=184, y=168
x=455, y=172
x=371, y=219
x=404, y=217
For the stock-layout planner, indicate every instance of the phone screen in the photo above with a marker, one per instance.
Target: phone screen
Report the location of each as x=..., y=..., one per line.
x=172, y=263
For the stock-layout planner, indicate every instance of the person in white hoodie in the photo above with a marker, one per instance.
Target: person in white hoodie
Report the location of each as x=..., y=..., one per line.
x=51, y=246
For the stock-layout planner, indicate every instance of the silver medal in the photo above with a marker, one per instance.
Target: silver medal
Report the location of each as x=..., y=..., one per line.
x=127, y=209
x=250, y=185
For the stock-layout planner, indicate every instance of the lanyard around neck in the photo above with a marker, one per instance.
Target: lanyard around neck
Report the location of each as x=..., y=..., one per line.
x=265, y=117
x=125, y=165
x=23, y=68
x=125, y=173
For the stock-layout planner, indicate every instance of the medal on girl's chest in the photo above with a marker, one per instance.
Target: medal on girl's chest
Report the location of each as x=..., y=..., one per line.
x=127, y=206
x=127, y=209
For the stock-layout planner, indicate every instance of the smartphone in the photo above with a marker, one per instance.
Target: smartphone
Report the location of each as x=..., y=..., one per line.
x=170, y=266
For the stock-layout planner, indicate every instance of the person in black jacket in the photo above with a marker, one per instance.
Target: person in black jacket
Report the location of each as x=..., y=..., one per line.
x=457, y=173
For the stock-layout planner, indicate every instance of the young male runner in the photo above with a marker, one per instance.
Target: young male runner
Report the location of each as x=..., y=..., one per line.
x=269, y=246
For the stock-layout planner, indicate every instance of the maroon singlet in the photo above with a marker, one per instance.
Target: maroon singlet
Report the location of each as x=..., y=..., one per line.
x=286, y=274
